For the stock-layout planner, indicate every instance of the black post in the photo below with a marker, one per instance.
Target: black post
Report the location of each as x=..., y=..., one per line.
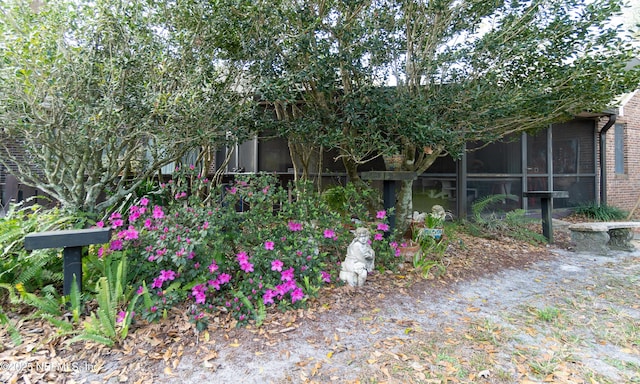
x=546, y=203
x=71, y=267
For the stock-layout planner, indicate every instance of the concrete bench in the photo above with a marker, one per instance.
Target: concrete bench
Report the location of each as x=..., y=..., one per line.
x=72, y=242
x=603, y=237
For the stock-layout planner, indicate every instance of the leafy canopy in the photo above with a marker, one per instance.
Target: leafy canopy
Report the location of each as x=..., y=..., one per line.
x=97, y=96
x=367, y=77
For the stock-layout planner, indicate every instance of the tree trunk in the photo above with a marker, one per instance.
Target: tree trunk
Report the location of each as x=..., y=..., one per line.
x=404, y=206
x=420, y=163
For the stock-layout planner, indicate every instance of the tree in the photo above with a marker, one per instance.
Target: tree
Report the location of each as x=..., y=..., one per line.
x=376, y=76
x=96, y=97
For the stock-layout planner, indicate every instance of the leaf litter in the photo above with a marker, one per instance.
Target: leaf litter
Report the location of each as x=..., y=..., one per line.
x=475, y=324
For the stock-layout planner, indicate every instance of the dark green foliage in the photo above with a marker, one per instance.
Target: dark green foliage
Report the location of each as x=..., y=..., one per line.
x=347, y=200
x=601, y=212
x=37, y=268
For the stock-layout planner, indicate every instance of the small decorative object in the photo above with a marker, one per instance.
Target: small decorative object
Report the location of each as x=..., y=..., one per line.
x=434, y=221
x=409, y=250
x=359, y=261
x=436, y=233
x=393, y=162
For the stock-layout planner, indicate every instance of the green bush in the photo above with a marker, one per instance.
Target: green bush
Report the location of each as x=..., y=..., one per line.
x=277, y=252
x=38, y=268
x=601, y=212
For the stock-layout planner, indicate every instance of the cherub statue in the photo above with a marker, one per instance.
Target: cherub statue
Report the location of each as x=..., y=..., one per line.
x=359, y=260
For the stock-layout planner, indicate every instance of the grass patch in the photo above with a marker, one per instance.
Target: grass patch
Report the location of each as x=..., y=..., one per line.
x=548, y=314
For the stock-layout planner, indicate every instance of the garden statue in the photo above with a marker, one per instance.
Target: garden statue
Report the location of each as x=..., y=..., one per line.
x=359, y=260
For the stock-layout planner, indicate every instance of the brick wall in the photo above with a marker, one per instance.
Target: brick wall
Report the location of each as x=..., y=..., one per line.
x=623, y=190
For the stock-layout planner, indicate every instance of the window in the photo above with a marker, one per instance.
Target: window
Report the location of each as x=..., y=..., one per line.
x=619, y=148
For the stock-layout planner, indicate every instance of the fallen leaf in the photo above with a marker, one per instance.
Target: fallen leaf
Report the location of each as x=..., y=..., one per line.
x=167, y=354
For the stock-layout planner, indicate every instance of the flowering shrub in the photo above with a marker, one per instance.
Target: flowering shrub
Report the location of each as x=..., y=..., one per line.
x=277, y=251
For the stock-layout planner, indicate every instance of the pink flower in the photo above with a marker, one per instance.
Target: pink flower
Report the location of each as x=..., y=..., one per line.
x=224, y=278
x=296, y=295
x=199, y=293
x=265, y=190
x=281, y=289
x=117, y=223
x=232, y=190
x=377, y=236
x=100, y=224
x=130, y=234
x=205, y=225
x=383, y=227
x=167, y=275
x=157, y=283
x=242, y=257
x=246, y=266
x=295, y=226
x=287, y=275
x=268, y=296
x=215, y=284
x=158, y=213
x=140, y=290
x=381, y=215
x=276, y=265
x=144, y=201
x=326, y=276
x=268, y=245
x=116, y=245
x=147, y=223
x=213, y=267
x=121, y=316
x=100, y=253
x=329, y=233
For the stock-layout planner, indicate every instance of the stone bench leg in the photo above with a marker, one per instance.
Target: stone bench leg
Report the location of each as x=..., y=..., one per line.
x=595, y=242
x=620, y=239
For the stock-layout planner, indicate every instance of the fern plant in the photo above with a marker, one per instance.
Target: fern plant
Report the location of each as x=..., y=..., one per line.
x=490, y=222
x=37, y=268
x=47, y=305
x=4, y=318
x=110, y=323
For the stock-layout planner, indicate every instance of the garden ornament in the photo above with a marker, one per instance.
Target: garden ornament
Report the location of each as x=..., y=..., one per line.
x=359, y=260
